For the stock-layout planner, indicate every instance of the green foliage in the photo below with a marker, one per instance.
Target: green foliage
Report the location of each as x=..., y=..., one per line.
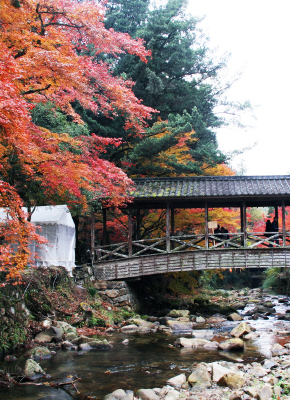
x=277, y=279
x=125, y=314
x=96, y=321
x=46, y=116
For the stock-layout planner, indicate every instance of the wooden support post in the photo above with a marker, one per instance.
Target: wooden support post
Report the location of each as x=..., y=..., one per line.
x=104, y=227
x=130, y=231
x=283, y=223
x=244, y=224
x=206, y=224
x=138, y=225
x=167, y=227
x=93, y=235
x=172, y=222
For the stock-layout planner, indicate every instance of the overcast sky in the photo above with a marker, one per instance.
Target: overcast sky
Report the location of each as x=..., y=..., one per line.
x=257, y=34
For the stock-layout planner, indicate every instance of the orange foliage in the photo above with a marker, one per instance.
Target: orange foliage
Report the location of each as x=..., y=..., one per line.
x=51, y=51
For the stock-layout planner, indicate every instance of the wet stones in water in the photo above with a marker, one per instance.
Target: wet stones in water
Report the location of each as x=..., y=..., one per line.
x=120, y=394
x=240, y=330
x=235, y=344
x=178, y=313
x=235, y=317
x=33, y=370
x=39, y=352
x=187, y=342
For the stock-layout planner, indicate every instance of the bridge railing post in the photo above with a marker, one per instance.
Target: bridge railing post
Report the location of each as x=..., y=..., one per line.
x=206, y=224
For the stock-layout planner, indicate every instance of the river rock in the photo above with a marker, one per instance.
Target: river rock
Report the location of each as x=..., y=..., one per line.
x=147, y=394
x=241, y=330
x=65, y=327
x=70, y=336
x=187, y=342
x=179, y=313
x=203, y=333
x=43, y=337
x=251, y=336
x=215, y=320
x=177, y=381
x=172, y=395
x=129, y=328
x=278, y=350
x=265, y=393
x=33, y=370
x=258, y=371
x=39, y=352
x=231, y=345
x=140, y=322
x=219, y=371
x=200, y=376
x=235, y=317
x=67, y=345
x=252, y=391
x=96, y=344
x=179, y=326
x=82, y=339
x=233, y=380
x=200, y=320
x=120, y=394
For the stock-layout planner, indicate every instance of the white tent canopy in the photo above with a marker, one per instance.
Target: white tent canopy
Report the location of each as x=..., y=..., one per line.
x=57, y=226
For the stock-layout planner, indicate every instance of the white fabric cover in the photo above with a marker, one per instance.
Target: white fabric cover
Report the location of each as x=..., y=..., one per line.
x=57, y=226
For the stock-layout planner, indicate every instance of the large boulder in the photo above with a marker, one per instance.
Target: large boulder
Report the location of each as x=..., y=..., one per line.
x=177, y=381
x=200, y=376
x=233, y=380
x=33, y=370
x=235, y=317
x=178, y=313
x=147, y=394
x=39, y=352
x=240, y=330
x=235, y=344
x=129, y=328
x=218, y=371
x=179, y=325
x=65, y=327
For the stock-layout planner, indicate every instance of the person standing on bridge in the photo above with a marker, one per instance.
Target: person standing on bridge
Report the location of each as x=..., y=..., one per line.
x=275, y=228
x=268, y=229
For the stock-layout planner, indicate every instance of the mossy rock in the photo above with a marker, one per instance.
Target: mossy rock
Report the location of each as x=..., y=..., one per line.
x=215, y=308
x=201, y=299
x=227, y=310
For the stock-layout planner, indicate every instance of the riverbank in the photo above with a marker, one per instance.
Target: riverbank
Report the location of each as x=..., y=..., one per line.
x=195, y=333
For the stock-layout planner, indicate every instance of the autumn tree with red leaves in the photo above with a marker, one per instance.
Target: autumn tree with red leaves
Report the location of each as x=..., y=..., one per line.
x=53, y=51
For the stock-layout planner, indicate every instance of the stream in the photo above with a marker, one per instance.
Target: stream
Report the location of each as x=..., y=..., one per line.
x=146, y=362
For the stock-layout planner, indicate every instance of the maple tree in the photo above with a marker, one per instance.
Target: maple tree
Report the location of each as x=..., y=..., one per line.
x=51, y=51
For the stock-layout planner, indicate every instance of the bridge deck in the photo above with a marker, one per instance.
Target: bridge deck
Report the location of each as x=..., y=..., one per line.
x=193, y=260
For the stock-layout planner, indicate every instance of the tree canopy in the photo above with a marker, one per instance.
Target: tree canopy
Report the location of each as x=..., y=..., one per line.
x=46, y=58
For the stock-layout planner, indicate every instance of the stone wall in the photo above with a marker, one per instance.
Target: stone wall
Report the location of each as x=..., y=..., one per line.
x=118, y=293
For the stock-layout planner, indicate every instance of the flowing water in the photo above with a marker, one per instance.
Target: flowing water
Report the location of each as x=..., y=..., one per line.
x=147, y=362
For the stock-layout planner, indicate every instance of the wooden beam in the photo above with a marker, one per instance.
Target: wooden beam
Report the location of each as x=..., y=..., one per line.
x=283, y=223
x=172, y=221
x=206, y=224
x=245, y=223
x=167, y=227
x=138, y=224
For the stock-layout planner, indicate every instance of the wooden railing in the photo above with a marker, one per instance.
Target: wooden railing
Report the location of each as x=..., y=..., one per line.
x=175, y=244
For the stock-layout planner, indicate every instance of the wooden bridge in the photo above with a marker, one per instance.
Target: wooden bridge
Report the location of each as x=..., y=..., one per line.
x=174, y=253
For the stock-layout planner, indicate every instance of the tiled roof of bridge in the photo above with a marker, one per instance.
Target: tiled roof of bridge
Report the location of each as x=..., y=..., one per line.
x=212, y=186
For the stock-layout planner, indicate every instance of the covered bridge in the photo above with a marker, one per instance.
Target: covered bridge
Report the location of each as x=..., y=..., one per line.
x=202, y=250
